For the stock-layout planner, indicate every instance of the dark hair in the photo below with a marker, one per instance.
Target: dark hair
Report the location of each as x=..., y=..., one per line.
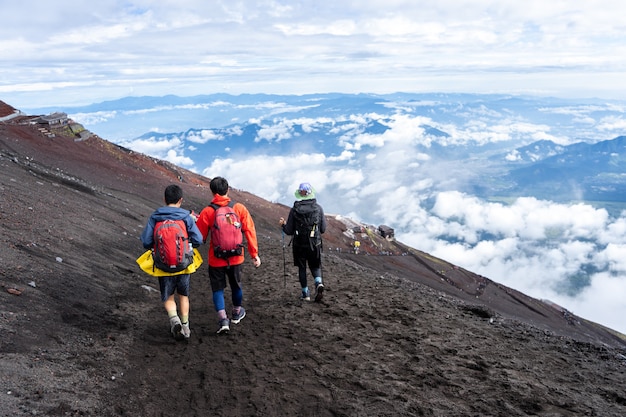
x=173, y=193
x=219, y=186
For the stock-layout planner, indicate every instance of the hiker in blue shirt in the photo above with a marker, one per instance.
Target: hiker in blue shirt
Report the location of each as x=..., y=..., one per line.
x=169, y=285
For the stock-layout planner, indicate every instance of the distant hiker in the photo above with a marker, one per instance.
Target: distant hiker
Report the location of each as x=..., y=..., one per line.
x=173, y=215
x=226, y=258
x=306, y=223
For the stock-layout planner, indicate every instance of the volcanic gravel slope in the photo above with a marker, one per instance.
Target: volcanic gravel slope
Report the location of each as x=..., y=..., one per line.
x=398, y=333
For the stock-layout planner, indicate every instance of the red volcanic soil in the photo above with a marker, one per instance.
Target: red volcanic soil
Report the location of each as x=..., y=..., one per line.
x=398, y=333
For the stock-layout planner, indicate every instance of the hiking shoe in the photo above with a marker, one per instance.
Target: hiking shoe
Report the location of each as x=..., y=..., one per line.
x=305, y=295
x=176, y=328
x=319, y=292
x=186, y=332
x=238, y=317
x=224, y=326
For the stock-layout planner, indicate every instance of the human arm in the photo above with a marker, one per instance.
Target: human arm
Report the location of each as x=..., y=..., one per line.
x=147, y=236
x=322, y=220
x=249, y=231
x=195, y=236
x=204, y=220
x=288, y=225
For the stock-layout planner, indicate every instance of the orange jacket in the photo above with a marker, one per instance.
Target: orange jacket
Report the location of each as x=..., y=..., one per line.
x=205, y=223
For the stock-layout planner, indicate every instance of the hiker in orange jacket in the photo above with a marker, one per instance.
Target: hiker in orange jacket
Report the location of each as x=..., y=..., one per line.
x=222, y=270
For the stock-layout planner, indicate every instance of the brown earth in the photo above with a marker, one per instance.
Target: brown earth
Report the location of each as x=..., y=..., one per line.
x=83, y=332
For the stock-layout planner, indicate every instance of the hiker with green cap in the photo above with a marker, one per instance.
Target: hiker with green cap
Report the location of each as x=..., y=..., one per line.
x=306, y=223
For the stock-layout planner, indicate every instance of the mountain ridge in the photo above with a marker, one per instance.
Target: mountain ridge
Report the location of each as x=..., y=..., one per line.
x=400, y=332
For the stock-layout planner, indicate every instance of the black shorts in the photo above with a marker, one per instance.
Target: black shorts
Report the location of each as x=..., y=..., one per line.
x=176, y=283
x=222, y=274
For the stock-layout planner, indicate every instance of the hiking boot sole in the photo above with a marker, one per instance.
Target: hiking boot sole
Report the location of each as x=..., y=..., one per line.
x=319, y=293
x=186, y=332
x=177, y=332
x=224, y=328
x=237, y=320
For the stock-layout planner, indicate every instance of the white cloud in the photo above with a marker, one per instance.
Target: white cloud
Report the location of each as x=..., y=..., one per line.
x=171, y=149
x=336, y=28
x=177, y=159
x=154, y=147
x=278, y=174
x=513, y=156
x=612, y=123
x=275, y=132
x=344, y=156
x=614, y=257
x=602, y=301
x=94, y=118
x=203, y=136
x=346, y=179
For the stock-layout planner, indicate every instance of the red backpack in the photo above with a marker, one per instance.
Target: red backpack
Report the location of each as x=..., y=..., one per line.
x=172, y=251
x=226, y=233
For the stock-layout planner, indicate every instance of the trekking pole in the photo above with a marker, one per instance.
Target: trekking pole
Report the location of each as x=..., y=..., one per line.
x=284, y=263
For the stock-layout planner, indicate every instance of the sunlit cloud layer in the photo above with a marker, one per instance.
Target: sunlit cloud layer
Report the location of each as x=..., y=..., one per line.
x=79, y=52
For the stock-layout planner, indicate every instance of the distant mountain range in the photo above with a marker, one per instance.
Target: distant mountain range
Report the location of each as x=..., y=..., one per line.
x=582, y=171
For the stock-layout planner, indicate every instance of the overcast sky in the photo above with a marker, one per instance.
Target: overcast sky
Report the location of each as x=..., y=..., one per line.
x=77, y=52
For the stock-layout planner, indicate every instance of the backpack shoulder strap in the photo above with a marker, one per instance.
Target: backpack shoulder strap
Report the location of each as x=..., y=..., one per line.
x=215, y=207
x=230, y=204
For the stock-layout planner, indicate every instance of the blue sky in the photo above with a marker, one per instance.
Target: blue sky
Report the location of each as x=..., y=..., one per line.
x=77, y=52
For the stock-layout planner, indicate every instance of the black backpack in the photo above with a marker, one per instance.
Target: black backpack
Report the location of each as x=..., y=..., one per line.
x=307, y=220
